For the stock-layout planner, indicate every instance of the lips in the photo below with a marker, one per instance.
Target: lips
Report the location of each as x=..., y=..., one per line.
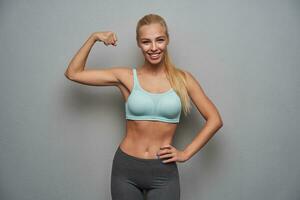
x=154, y=55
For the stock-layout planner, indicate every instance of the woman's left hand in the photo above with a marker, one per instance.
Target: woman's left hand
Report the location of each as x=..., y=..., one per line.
x=171, y=154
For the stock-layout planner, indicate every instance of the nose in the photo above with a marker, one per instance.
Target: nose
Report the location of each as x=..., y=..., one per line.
x=153, y=46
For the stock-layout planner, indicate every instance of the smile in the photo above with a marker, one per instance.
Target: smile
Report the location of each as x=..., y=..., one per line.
x=154, y=55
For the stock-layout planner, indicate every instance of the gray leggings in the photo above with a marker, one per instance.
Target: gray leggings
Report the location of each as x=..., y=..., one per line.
x=132, y=178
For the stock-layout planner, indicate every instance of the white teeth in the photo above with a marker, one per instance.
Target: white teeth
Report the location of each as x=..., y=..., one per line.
x=154, y=55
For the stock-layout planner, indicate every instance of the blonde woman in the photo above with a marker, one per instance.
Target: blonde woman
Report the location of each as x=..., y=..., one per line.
x=155, y=94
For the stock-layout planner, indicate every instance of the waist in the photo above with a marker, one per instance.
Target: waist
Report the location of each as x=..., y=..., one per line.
x=144, y=148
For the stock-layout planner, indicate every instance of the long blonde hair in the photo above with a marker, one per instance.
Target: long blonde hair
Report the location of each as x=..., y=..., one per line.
x=175, y=75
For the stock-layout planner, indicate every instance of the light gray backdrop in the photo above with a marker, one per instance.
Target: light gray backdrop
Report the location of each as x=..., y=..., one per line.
x=58, y=137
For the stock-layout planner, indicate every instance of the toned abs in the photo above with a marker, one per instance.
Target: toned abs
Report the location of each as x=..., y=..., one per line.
x=144, y=138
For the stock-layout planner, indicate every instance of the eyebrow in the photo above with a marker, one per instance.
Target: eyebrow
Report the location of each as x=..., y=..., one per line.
x=156, y=38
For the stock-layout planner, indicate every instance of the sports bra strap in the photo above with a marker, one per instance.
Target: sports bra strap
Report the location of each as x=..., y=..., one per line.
x=135, y=78
x=134, y=75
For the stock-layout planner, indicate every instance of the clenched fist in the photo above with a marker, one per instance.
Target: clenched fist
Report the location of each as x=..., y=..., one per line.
x=107, y=37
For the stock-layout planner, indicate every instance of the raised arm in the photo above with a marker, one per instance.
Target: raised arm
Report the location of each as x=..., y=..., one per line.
x=101, y=77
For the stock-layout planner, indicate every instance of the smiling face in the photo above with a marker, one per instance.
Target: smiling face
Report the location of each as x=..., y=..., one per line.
x=153, y=42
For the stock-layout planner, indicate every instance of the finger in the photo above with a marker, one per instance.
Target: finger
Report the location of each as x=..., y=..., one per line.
x=164, y=150
x=111, y=37
x=112, y=41
x=169, y=160
x=166, y=155
x=161, y=152
x=166, y=147
x=115, y=37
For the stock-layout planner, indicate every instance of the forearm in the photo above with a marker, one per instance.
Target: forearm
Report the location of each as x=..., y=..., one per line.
x=210, y=128
x=78, y=62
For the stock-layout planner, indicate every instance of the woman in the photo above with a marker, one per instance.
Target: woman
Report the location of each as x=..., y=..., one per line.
x=155, y=94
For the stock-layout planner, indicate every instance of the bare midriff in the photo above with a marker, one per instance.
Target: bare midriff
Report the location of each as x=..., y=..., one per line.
x=144, y=138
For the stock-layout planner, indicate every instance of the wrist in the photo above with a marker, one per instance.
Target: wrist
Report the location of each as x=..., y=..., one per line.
x=93, y=37
x=186, y=154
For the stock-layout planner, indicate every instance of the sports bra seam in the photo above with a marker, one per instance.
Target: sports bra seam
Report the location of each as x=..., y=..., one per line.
x=153, y=118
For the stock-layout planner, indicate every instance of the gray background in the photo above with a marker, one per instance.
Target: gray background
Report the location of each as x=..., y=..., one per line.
x=58, y=137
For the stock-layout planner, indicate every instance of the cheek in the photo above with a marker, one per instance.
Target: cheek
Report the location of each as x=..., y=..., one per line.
x=144, y=48
x=163, y=46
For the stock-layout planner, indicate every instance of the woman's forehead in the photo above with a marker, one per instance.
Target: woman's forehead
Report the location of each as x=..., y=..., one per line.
x=152, y=30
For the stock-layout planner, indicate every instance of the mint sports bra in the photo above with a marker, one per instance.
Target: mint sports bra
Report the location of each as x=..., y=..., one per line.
x=144, y=105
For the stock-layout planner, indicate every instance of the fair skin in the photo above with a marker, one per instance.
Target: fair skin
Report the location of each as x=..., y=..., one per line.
x=144, y=138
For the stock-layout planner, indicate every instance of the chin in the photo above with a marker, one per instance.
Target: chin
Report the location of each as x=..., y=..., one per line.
x=154, y=62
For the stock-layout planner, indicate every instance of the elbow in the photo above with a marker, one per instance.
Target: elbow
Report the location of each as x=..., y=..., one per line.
x=68, y=75
x=219, y=123
x=216, y=121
